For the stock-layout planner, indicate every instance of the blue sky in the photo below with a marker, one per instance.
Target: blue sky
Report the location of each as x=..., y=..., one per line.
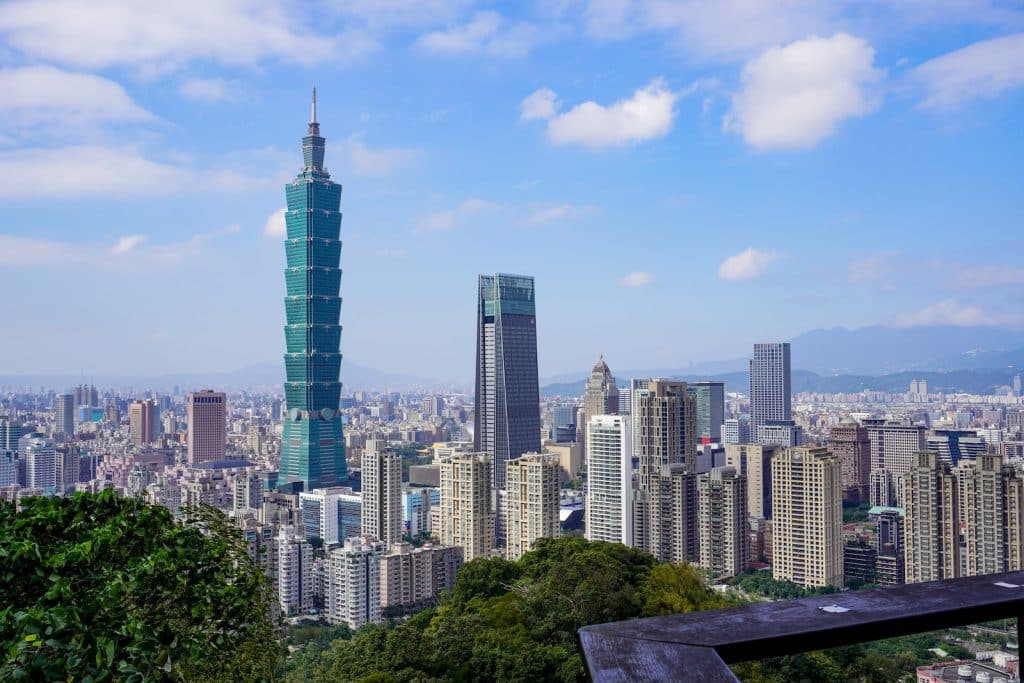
x=682, y=178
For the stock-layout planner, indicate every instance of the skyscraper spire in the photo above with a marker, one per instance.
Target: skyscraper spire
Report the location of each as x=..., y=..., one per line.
x=314, y=127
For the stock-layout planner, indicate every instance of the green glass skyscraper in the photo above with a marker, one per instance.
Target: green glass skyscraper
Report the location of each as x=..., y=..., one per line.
x=312, y=448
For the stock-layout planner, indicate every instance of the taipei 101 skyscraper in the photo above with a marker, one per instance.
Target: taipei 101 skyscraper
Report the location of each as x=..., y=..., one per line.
x=312, y=447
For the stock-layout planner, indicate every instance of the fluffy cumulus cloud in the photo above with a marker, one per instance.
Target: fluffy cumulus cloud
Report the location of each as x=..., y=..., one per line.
x=486, y=32
x=163, y=36
x=979, y=71
x=797, y=95
x=952, y=312
x=646, y=115
x=275, y=226
x=637, y=279
x=541, y=104
x=36, y=97
x=747, y=264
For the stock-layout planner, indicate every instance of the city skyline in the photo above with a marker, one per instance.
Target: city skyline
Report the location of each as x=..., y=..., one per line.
x=792, y=234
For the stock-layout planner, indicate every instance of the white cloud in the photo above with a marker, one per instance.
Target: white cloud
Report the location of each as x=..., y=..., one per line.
x=275, y=225
x=554, y=213
x=952, y=312
x=541, y=104
x=646, y=115
x=207, y=90
x=796, y=96
x=30, y=252
x=85, y=170
x=637, y=279
x=380, y=161
x=988, y=276
x=982, y=70
x=157, y=37
x=441, y=221
x=721, y=29
x=127, y=243
x=38, y=98
x=747, y=264
x=487, y=32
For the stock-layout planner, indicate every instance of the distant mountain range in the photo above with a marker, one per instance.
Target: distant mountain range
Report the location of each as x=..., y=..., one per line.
x=879, y=358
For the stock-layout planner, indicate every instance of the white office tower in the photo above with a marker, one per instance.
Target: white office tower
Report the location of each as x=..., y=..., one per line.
x=8, y=468
x=736, y=430
x=207, y=426
x=465, y=517
x=352, y=583
x=807, y=527
x=382, y=495
x=770, y=388
x=320, y=517
x=531, y=502
x=608, y=514
x=40, y=463
x=722, y=511
x=294, y=572
x=413, y=577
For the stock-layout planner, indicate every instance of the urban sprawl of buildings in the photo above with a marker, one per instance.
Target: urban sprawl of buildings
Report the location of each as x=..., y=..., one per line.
x=363, y=504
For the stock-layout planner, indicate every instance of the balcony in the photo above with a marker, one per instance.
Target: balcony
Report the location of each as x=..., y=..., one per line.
x=699, y=646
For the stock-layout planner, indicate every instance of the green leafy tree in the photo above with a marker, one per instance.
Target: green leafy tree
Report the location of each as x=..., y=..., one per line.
x=101, y=588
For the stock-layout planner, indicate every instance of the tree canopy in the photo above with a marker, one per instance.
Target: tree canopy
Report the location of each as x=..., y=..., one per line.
x=105, y=588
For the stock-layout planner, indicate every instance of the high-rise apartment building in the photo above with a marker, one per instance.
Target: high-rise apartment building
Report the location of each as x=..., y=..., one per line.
x=465, y=516
x=754, y=462
x=143, y=422
x=294, y=572
x=931, y=502
x=601, y=395
x=382, y=495
x=207, y=426
x=531, y=500
x=709, y=400
x=64, y=414
x=849, y=441
x=991, y=516
x=414, y=577
x=352, y=583
x=507, y=399
x=312, y=445
x=665, y=444
x=893, y=448
x=40, y=457
x=770, y=385
x=608, y=510
x=724, y=528
x=807, y=524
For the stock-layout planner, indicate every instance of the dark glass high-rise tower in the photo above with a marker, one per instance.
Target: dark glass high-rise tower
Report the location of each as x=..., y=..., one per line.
x=312, y=448
x=507, y=411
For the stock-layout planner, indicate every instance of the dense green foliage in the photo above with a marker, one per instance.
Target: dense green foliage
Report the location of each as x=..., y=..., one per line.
x=855, y=512
x=100, y=588
x=512, y=621
x=760, y=583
